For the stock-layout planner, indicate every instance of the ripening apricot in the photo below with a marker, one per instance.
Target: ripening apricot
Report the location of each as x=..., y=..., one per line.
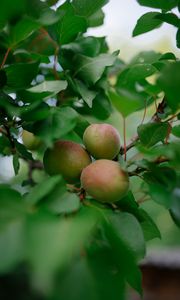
x=30, y=141
x=105, y=181
x=66, y=158
x=102, y=141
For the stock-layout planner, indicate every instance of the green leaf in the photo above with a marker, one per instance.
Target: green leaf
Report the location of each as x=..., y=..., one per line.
x=178, y=38
x=152, y=133
x=97, y=19
x=16, y=163
x=168, y=56
x=169, y=82
x=11, y=245
x=169, y=18
x=8, y=105
x=160, y=195
x=160, y=175
x=5, y=146
x=146, y=23
x=3, y=78
x=175, y=206
x=59, y=122
x=102, y=264
x=89, y=46
x=48, y=17
x=87, y=8
x=88, y=270
x=101, y=107
x=81, y=125
x=12, y=206
x=52, y=87
x=129, y=230
x=20, y=75
x=176, y=131
x=86, y=94
x=91, y=69
x=126, y=102
x=124, y=258
x=140, y=71
x=145, y=57
x=70, y=25
x=52, y=243
x=62, y=202
x=168, y=4
x=10, y=10
x=23, y=152
x=42, y=189
x=22, y=30
x=149, y=228
x=34, y=112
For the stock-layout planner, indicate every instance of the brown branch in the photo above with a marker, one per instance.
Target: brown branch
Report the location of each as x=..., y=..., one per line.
x=130, y=145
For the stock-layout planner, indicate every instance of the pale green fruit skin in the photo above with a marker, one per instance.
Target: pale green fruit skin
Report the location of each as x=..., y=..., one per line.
x=105, y=181
x=102, y=141
x=66, y=158
x=30, y=141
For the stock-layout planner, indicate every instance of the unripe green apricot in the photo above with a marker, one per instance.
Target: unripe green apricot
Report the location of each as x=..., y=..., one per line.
x=66, y=158
x=102, y=141
x=30, y=141
x=105, y=181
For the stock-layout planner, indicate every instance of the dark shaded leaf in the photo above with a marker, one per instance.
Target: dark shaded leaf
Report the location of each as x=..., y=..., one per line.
x=16, y=163
x=168, y=4
x=169, y=18
x=169, y=82
x=20, y=75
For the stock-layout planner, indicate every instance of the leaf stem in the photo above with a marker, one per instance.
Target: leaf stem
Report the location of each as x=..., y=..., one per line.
x=124, y=137
x=144, y=114
x=5, y=58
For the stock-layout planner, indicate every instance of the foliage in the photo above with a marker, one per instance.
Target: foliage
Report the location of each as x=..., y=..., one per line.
x=53, y=79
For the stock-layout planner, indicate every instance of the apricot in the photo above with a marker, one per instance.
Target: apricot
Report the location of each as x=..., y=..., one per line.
x=102, y=141
x=30, y=141
x=105, y=181
x=66, y=158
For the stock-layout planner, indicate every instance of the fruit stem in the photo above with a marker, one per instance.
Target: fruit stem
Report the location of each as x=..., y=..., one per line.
x=82, y=195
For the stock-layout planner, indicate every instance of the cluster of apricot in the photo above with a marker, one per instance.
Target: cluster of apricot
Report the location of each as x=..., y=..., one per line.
x=92, y=165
